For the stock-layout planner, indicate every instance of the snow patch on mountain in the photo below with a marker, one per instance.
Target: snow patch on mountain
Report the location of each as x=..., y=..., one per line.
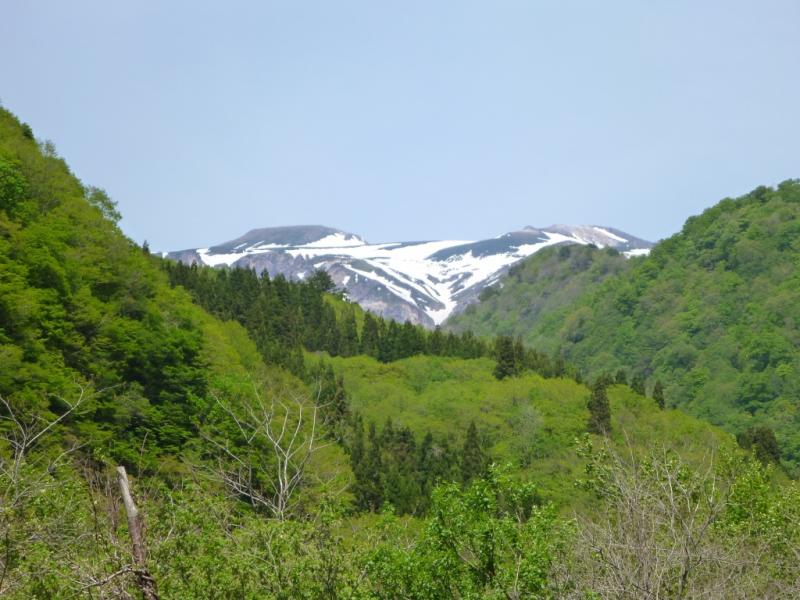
x=425, y=281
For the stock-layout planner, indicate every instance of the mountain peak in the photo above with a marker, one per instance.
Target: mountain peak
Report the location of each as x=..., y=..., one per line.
x=287, y=236
x=424, y=282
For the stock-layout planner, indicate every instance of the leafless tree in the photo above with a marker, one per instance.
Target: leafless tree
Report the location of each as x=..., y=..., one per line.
x=23, y=474
x=657, y=536
x=278, y=436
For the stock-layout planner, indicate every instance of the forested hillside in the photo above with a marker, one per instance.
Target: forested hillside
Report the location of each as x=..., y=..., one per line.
x=173, y=432
x=530, y=421
x=712, y=313
x=539, y=290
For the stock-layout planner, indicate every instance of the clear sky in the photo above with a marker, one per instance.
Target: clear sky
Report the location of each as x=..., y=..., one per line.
x=407, y=120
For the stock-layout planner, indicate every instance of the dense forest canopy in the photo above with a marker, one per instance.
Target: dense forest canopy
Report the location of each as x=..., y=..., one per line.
x=281, y=443
x=712, y=313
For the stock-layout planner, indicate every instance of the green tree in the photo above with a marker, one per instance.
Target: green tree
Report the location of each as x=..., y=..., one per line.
x=489, y=540
x=599, y=409
x=370, y=336
x=637, y=384
x=473, y=459
x=658, y=394
x=348, y=344
x=506, y=356
x=368, y=486
x=761, y=440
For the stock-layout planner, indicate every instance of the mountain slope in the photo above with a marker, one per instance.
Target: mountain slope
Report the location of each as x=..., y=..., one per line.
x=86, y=313
x=529, y=421
x=182, y=399
x=423, y=282
x=713, y=312
x=539, y=290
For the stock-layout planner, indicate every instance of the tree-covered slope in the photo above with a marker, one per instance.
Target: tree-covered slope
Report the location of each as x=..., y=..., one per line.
x=88, y=316
x=538, y=290
x=109, y=356
x=529, y=421
x=713, y=312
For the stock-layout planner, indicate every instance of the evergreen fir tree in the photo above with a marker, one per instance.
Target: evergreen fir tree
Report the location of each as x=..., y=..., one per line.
x=637, y=384
x=506, y=357
x=436, y=342
x=370, y=339
x=473, y=461
x=658, y=394
x=559, y=366
x=348, y=339
x=368, y=488
x=621, y=378
x=599, y=410
x=519, y=356
x=761, y=440
x=356, y=444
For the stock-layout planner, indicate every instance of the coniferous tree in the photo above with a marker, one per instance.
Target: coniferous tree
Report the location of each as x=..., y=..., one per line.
x=322, y=282
x=402, y=487
x=658, y=394
x=348, y=339
x=473, y=460
x=506, y=356
x=294, y=362
x=761, y=440
x=519, y=355
x=370, y=339
x=389, y=347
x=559, y=367
x=356, y=443
x=599, y=409
x=436, y=342
x=637, y=384
x=368, y=487
x=621, y=378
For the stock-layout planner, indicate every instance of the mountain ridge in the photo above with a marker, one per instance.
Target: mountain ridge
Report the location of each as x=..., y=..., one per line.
x=420, y=281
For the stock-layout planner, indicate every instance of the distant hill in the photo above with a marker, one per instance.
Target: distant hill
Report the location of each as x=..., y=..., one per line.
x=423, y=282
x=713, y=312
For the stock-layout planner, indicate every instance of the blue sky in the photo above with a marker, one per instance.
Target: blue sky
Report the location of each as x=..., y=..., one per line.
x=409, y=120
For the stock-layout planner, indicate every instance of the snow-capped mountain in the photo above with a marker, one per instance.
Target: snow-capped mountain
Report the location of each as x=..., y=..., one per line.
x=424, y=282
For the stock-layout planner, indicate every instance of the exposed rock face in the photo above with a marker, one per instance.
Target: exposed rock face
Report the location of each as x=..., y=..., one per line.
x=423, y=282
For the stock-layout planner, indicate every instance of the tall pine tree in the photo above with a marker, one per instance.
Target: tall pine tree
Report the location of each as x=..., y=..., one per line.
x=506, y=356
x=599, y=409
x=473, y=460
x=658, y=394
x=637, y=384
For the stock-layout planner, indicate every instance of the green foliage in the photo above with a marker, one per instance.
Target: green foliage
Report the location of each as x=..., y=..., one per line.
x=81, y=307
x=679, y=529
x=105, y=360
x=599, y=409
x=637, y=384
x=712, y=313
x=658, y=394
x=490, y=540
x=509, y=357
x=473, y=459
x=528, y=421
x=539, y=287
x=393, y=469
x=761, y=440
x=286, y=317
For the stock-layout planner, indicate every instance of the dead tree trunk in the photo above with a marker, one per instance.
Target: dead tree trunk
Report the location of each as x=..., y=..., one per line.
x=146, y=582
